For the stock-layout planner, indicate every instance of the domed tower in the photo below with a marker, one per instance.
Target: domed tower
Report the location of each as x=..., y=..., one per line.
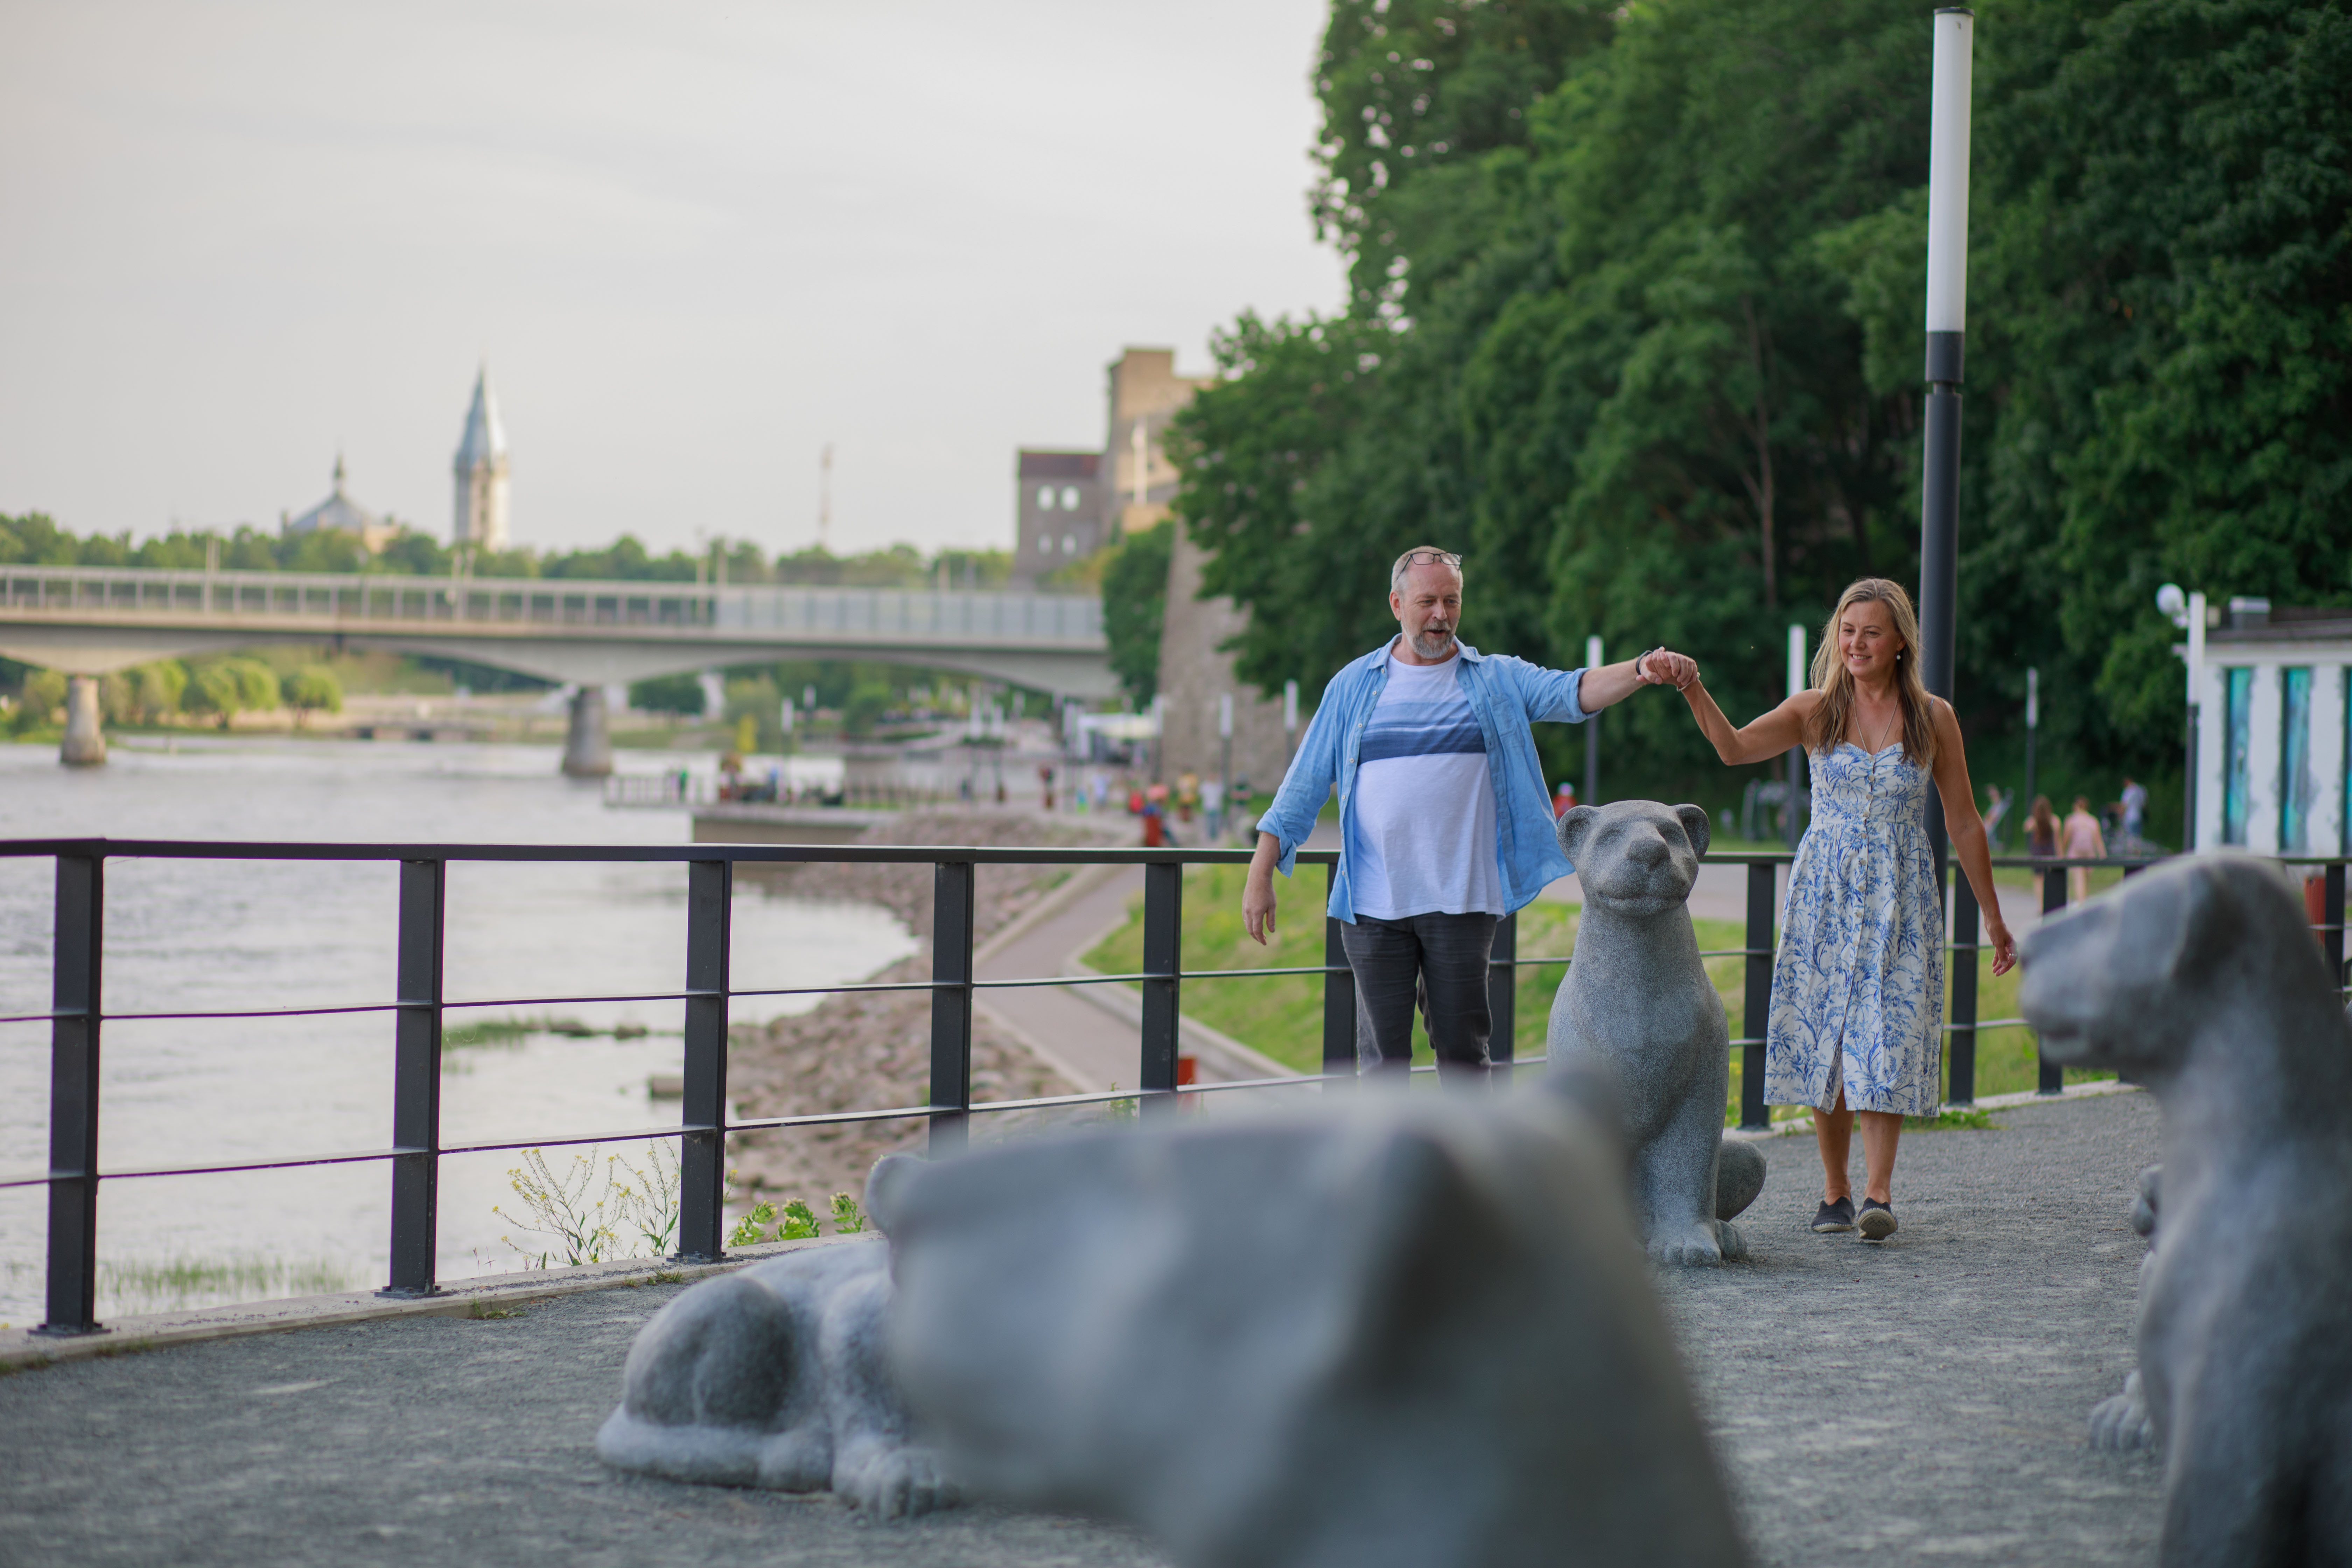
x=481, y=470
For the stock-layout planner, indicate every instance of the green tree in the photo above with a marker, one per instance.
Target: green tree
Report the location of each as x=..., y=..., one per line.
x=156, y=688
x=1135, y=605
x=679, y=694
x=312, y=688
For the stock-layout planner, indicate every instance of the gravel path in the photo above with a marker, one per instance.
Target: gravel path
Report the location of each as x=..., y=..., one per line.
x=1922, y=1401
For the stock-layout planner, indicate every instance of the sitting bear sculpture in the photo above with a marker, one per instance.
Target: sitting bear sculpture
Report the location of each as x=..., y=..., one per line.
x=2199, y=979
x=1637, y=1005
x=775, y=1377
x=1410, y=1332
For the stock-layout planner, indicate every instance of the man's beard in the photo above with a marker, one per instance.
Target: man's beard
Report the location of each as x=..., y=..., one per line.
x=1431, y=644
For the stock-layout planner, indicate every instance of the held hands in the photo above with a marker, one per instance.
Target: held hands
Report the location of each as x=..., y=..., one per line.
x=1662, y=666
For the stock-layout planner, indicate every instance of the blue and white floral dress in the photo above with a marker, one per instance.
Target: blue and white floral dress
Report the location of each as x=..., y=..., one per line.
x=1858, y=981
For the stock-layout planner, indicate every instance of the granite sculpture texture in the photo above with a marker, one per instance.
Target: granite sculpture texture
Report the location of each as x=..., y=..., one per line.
x=1408, y=1333
x=775, y=1377
x=1637, y=1006
x=2200, y=980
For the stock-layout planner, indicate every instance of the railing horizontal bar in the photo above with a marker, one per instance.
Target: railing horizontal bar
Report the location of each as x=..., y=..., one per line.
x=350, y=1157
x=605, y=854
x=255, y=1013
x=1250, y=973
x=829, y=990
x=1983, y=1024
x=622, y=1135
x=825, y=1118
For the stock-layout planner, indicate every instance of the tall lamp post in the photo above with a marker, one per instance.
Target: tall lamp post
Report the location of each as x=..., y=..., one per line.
x=1797, y=682
x=1947, y=301
x=1592, y=731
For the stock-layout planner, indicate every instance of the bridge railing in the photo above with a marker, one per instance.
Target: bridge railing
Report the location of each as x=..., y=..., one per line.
x=77, y=1014
x=343, y=598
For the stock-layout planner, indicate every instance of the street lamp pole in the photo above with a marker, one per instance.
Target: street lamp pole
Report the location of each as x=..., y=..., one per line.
x=1947, y=298
x=1797, y=682
x=1592, y=731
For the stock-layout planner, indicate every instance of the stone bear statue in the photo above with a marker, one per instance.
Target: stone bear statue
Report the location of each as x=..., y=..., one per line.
x=1637, y=1005
x=775, y=1377
x=1401, y=1332
x=2199, y=979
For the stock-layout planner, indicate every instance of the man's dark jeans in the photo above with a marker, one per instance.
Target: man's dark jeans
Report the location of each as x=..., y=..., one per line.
x=1437, y=963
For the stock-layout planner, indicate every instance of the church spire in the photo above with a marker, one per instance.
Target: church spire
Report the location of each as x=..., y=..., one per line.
x=480, y=467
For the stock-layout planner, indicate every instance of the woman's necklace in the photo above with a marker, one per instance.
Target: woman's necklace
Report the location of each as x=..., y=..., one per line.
x=1884, y=735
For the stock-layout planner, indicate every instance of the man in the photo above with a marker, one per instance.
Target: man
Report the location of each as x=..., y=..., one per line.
x=1445, y=825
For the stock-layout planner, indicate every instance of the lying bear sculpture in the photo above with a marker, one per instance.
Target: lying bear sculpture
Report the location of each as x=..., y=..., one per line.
x=775, y=1377
x=1410, y=1332
x=1637, y=1005
x=2199, y=979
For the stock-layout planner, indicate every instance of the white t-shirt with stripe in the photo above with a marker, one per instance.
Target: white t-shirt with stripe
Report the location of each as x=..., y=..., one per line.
x=1423, y=837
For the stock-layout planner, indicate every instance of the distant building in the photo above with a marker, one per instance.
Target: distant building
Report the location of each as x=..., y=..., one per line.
x=2274, y=731
x=1146, y=393
x=482, y=473
x=1057, y=507
x=342, y=513
x=1068, y=505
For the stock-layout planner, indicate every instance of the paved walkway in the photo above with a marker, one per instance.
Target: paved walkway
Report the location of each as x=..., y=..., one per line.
x=1919, y=1400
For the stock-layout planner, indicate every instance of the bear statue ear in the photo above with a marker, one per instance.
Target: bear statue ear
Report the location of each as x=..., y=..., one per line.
x=1696, y=826
x=886, y=1189
x=1574, y=827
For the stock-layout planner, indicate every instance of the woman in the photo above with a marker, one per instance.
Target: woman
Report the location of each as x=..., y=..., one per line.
x=2083, y=842
x=2041, y=830
x=1857, y=1015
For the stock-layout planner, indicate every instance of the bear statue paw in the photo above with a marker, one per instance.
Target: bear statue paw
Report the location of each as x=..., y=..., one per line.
x=1691, y=1242
x=887, y=1482
x=2121, y=1424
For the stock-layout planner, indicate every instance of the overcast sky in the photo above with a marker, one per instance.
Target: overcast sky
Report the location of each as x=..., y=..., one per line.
x=695, y=242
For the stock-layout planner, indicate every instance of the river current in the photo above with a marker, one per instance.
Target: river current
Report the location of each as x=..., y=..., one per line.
x=198, y=936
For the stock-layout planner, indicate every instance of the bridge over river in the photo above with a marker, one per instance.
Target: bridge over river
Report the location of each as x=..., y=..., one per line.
x=87, y=621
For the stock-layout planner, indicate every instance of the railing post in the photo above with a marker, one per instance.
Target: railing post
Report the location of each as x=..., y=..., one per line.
x=1339, y=1000
x=1762, y=886
x=416, y=1078
x=702, y=1150
x=1164, y=960
x=952, y=974
x=1503, y=997
x=1963, y=1086
x=2053, y=898
x=2331, y=915
x=73, y=1000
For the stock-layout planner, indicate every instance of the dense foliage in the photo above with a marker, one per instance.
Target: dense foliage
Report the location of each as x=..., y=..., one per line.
x=1135, y=605
x=1636, y=325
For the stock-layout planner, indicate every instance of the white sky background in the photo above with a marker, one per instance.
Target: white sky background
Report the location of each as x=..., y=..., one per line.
x=696, y=241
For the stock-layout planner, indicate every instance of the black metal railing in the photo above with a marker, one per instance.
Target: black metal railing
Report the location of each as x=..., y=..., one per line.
x=76, y=1015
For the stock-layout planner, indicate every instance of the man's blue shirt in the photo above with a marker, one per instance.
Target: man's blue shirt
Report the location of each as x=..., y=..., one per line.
x=1506, y=694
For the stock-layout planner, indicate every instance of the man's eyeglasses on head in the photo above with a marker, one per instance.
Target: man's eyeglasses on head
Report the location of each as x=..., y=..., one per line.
x=1432, y=557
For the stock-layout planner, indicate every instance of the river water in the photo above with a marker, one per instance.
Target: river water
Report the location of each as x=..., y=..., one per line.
x=198, y=936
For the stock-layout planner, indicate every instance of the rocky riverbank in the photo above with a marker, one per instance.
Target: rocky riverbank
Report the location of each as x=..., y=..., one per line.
x=870, y=1050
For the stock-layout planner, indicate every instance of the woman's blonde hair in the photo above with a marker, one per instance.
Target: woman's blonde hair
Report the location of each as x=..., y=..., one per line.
x=1826, y=725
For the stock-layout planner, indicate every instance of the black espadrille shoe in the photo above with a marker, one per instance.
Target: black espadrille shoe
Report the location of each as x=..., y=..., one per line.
x=1877, y=1221
x=1838, y=1215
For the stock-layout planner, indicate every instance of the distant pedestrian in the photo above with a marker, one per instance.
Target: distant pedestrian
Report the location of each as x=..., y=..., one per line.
x=2041, y=830
x=2135, y=810
x=1563, y=799
x=1213, y=807
x=2083, y=842
x=1996, y=816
